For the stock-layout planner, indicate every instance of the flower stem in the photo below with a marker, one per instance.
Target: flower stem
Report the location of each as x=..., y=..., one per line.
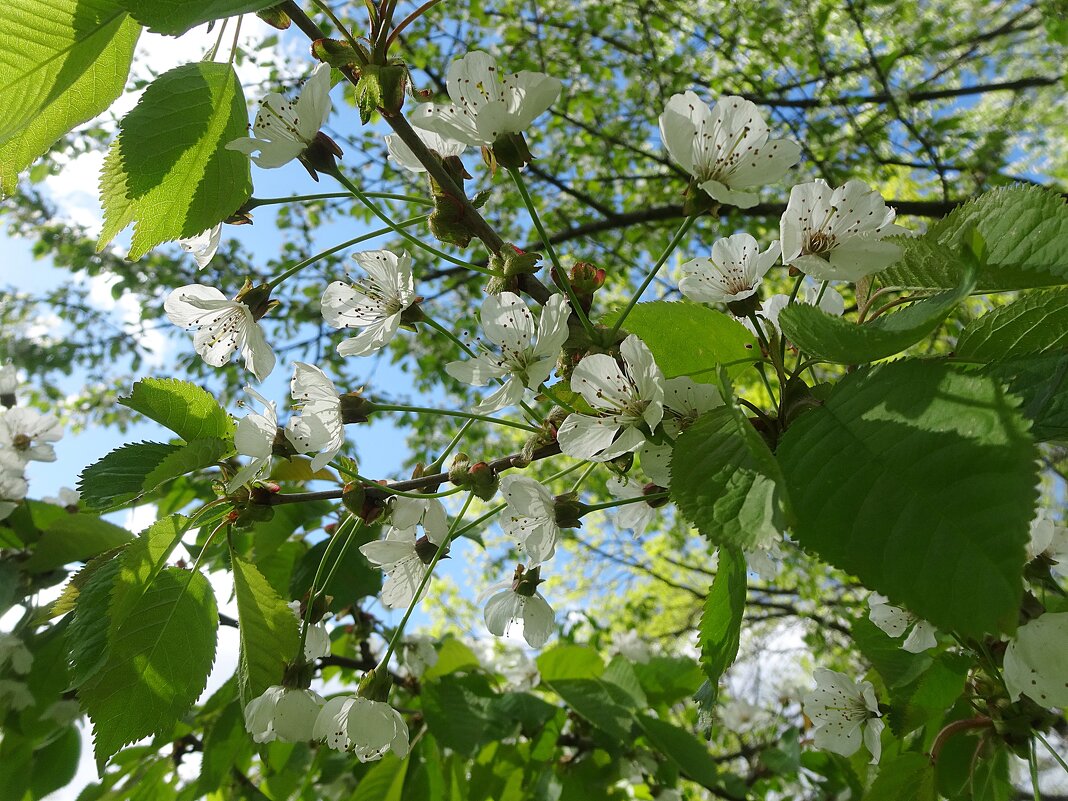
x=623, y=502
x=359, y=195
x=1032, y=764
x=674, y=243
x=399, y=631
x=585, y=474
x=237, y=34
x=338, y=24
x=256, y=202
x=1052, y=750
x=300, y=265
x=404, y=23
x=398, y=407
x=528, y=201
x=316, y=587
x=439, y=462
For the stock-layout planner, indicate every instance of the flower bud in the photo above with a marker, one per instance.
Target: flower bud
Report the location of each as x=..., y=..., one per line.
x=275, y=17
x=338, y=54
x=484, y=481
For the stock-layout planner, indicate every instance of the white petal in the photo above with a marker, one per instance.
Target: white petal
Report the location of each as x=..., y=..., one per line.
x=372, y=339
x=538, y=620
x=586, y=437
x=501, y=611
x=507, y=322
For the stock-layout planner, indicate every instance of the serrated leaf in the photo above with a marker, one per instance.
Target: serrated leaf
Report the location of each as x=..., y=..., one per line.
x=919, y=480
x=719, y=632
x=169, y=171
x=461, y=714
x=897, y=666
x=726, y=481
x=270, y=635
x=689, y=339
x=141, y=562
x=157, y=665
x=687, y=752
x=72, y=590
x=909, y=775
x=836, y=339
x=175, y=17
x=1036, y=323
x=132, y=471
x=87, y=634
x=927, y=698
x=1024, y=227
x=1041, y=382
x=592, y=700
x=46, y=46
x=74, y=538
x=70, y=69
x=186, y=409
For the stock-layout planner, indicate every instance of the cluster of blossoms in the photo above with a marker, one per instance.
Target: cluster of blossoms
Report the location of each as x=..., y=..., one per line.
x=25, y=435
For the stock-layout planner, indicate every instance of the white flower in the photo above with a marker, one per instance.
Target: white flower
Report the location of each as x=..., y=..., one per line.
x=634, y=516
x=366, y=728
x=740, y=716
x=831, y=302
x=403, y=556
x=374, y=304
x=15, y=695
x=509, y=324
x=1035, y=663
x=203, y=245
x=9, y=379
x=284, y=129
x=66, y=497
x=630, y=398
x=838, y=234
x=684, y=401
x=254, y=437
x=283, y=713
x=845, y=714
x=630, y=645
x=403, y=155
x=486, y=104
x=419, y=654
x=895, y=621
x=319, y=426
x=27, y=435
x=507, y=607
x=222, y=326
x=518, y=669
x=14, y=650
x=733, y=272
x=13, y=488
x=1049, y=540
x=317, y=640
x=726, y=148
x=530, y=516
x=764, y=560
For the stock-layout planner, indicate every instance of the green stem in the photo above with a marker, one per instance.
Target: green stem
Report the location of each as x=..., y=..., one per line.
x=528, y=201
x=1032, y=763
x=237, y=33
x=359, y=195
x=623, y=502
x=1052, y=750
x=218, y=42
x=316, y=586
x=551, y=395
x=674, y=243
x=256, y=202
x=436, y=465
x=338, y=24
x=399, y=631
x=296, y=268
x=584, y=476
x=341, y=556
x=404, y=23
x=398, y=407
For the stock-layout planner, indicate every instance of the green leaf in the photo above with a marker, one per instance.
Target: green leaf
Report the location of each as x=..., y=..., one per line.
x=836, y=339
x=726, y=481
x=72, y=590
x=992, y=780
x=71, y=68
x=53, y=766
x=927, y=698
x=461, y=714
x=1036, y=323
x=453, y=656
x=1039, y=381
x=132, y=471
x=175, y=17
x=1024, y=227
x=920, y=480
x=46, y=46
x=383, y=782
x=620, y=672
x=186, y=409
x=721, y=623
x=87, y=634
x=686, y=751
x=593, y=700
x=910, y=776
x=74, y=538
x=353, y=579
x=567, y=661
x=270, y=634
x=669, y=679
x=689, y=339
x=169, y=171
x=141, y=562
x=157, y=665
x=897, y=666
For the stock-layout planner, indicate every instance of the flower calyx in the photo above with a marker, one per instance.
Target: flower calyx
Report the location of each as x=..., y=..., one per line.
x=427, y=550
x=257, y=298
x=697, y=201
x=509, y=151
x=321, y=155
x=375, y=684
x=355, y=408
x=568, y=510
x=525, y=582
